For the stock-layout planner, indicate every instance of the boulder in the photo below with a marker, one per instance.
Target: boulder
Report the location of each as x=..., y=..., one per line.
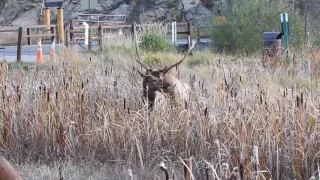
x=27, y=12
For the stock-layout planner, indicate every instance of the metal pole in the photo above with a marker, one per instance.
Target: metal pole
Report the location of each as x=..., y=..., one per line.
x=47, y=18
x=60, y=24
x=285, y=31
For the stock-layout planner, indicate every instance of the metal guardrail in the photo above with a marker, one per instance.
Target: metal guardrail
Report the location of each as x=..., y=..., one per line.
x=101, y=19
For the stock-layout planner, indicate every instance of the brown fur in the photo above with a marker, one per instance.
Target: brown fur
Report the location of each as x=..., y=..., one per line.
x=160, y=80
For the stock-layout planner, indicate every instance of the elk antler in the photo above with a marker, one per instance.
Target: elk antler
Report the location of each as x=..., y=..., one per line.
x=139, y=58
x=166, y=70
x=161, y=70
x=141, y=74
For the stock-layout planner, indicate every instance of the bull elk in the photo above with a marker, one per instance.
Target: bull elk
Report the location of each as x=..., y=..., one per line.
x=160, y=81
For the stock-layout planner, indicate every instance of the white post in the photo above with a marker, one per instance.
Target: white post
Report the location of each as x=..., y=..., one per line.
x=174, y=32
x=86, y=33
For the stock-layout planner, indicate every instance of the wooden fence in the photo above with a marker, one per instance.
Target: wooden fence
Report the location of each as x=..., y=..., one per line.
x=18, y=36
x=76, y=33
x=97, y=33
x=18, y=33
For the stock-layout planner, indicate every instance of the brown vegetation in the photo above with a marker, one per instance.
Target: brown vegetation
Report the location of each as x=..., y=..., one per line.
x=259, y=121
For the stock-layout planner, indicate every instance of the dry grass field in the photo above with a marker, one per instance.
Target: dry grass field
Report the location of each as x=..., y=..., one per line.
x=83, y=114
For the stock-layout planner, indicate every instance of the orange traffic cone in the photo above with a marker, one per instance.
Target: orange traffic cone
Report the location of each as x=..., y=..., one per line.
x=39, y=52
x=52, y=51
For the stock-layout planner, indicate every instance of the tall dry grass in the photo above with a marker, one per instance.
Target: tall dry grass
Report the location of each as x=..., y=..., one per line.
x=88, y=109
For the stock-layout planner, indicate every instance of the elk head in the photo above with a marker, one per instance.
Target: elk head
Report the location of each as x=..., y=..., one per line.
x=158, y=80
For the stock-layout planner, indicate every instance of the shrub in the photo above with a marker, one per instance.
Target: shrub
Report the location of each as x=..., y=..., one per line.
x=155, y=42
x=248, y=19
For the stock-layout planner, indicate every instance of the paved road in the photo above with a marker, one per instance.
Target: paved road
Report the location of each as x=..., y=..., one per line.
x=9, y=53
x=29, y=53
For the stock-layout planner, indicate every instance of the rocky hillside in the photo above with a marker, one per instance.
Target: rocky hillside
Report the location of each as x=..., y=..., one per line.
x=22, y=12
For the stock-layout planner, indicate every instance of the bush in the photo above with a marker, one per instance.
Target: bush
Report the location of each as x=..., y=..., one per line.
x=248, y=19
x=156, y=43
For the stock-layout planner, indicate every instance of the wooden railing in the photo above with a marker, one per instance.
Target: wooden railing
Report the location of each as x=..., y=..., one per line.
x=49, y=31
x=74, y=33
x=97, y=33
x=17, y=33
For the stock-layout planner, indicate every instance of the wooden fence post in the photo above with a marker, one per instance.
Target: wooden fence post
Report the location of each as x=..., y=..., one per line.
x=198, y=34
x=133, y=32
x=67, y=38
x=71, y=22
x=19, y=45
x=28, y=38
x=189, y=34
x=90, y=40
x=101, y=35
x=52, y=30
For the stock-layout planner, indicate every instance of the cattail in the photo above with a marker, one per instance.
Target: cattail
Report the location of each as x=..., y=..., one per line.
x=187, y=169
x=206, y=112
x=241, y=169
x=60, y=173
x=48, y=97
x=130, y=174
x=165, y=170
x=207, y=172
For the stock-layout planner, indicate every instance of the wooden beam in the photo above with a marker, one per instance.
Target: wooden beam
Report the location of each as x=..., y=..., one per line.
x=39, y=26
x=39, y=35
